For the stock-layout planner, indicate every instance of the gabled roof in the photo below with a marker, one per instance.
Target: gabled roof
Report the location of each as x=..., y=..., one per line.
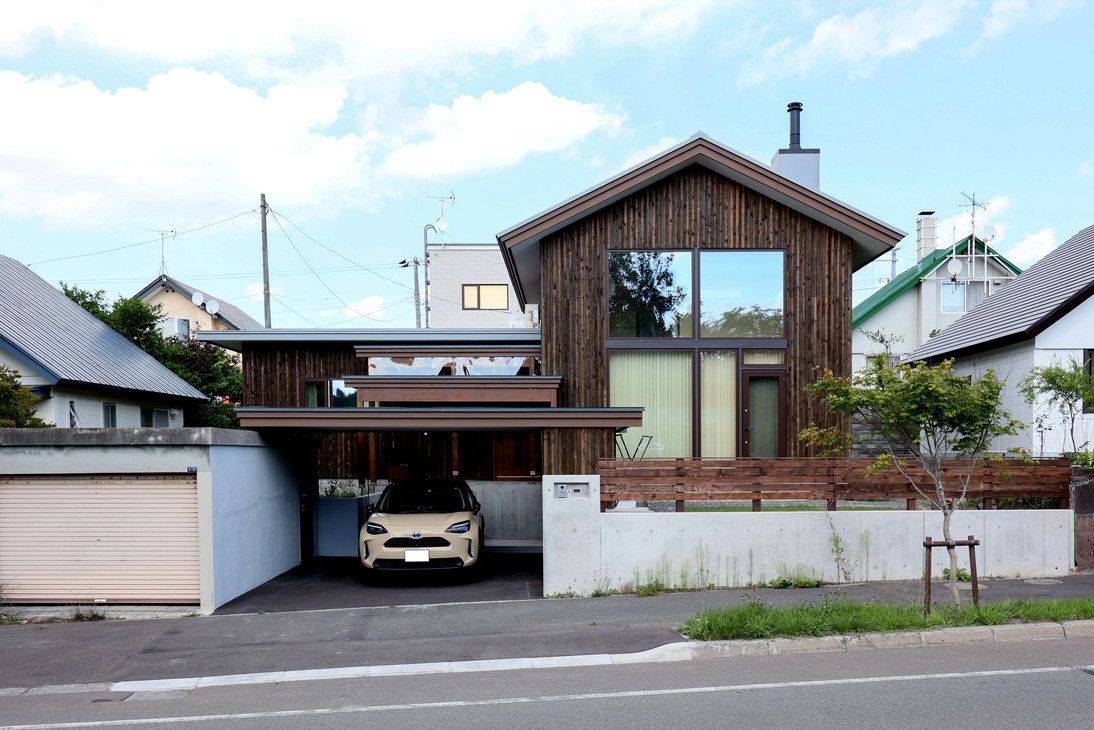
x=232, y=316
x=68, y=345
x=520, y=244
x=910, y=278
x=1024, y=308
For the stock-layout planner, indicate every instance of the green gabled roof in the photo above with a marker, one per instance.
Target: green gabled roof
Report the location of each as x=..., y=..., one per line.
x=907, y=279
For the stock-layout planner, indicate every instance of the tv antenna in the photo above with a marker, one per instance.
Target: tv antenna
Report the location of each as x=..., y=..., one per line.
x=163, y=257
x=441, y=224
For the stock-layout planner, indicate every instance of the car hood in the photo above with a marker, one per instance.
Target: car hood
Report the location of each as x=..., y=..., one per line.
x=420, y=520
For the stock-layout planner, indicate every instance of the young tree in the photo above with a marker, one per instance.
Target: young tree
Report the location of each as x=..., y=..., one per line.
x=924, y=414
x=17, y=402
x=1067, y=387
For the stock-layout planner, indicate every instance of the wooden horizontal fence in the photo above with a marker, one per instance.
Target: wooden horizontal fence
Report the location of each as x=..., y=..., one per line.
x=828, y=480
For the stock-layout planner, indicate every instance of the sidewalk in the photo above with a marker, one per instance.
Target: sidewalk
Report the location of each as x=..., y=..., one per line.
x=366, y=639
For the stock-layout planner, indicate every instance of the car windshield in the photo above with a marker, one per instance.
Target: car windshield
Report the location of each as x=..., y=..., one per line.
x=422, y=498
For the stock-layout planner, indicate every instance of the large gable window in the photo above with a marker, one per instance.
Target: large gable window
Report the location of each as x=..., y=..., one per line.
x=697, y=338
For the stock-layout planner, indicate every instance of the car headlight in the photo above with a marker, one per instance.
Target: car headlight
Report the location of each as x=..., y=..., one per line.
x=464, y=526
x=374, y=529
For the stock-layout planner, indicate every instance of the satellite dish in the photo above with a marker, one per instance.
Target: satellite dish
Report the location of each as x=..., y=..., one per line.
x=212, y=307
x=989, y=233
x=197, y=298
x=954, y=267
x=441, y=225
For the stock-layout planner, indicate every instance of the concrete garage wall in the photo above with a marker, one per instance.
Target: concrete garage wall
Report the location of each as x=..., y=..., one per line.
x=586, y=550
x=248, y=503
x=255, y=519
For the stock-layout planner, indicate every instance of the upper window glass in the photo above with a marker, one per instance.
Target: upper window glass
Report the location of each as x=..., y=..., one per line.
x=649, y=294
x=741, y=293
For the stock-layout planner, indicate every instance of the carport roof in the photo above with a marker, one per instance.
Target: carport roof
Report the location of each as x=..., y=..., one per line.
x=441, y=419
x=240, y=340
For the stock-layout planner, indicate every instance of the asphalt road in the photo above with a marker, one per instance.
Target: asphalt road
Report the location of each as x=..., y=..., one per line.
x=1046, y=684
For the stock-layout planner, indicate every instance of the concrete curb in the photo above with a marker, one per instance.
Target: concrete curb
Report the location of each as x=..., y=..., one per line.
x=675, y=652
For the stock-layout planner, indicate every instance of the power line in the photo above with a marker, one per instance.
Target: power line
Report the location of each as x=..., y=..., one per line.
x=141, y=243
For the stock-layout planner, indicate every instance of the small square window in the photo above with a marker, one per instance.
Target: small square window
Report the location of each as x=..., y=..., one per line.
x=486, y=296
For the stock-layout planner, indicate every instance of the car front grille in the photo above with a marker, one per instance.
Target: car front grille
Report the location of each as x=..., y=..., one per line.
x=423, y=542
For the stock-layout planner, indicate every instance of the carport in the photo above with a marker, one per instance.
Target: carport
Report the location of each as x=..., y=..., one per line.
x=377, y=405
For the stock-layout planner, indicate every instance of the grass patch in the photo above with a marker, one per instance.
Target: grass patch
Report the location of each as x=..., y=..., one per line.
x=757, y=620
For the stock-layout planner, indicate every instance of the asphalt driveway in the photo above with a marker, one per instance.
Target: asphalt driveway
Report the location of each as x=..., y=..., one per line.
x=325, y=583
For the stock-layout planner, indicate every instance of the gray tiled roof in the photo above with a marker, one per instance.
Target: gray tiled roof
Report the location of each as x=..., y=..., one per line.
x=1024, y=308
x=41, y=325
x=231, y=315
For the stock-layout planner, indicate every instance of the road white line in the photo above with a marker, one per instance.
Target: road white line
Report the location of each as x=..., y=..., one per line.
x=550, y=698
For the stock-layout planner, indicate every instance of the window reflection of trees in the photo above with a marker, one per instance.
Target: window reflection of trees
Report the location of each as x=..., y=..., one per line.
x=645, y=298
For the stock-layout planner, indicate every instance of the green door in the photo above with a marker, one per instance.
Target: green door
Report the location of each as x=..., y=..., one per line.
x=764, y=431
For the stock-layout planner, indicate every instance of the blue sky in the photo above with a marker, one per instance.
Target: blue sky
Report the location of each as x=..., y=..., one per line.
x=123, y=119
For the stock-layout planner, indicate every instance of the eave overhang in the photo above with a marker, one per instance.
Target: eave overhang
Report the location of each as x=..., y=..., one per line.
x=445, y=389
x=436, y=419
x=520, y=244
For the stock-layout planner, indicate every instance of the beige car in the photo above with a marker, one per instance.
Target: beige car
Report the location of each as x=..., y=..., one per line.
x=423, y=525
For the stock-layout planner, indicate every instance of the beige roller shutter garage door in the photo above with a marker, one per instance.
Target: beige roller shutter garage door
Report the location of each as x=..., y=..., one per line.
x=118, y=539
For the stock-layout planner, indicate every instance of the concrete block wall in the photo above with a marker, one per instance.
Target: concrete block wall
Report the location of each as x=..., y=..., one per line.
x=585, y=550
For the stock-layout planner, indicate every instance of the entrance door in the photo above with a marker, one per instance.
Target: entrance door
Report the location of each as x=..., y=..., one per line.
x=764, y=425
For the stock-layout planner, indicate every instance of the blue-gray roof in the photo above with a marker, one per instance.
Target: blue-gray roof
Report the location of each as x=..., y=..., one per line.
x=231, y=315
x=69, y=345
x=1024, y=308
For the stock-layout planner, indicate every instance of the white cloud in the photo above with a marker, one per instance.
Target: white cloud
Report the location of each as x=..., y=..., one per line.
x=957, y=227
x=360, y=39
x=497, y=130
x=1005, y=16
x=859, y=41
x=640, y=156
x=1032, y=248
x=76, y=152
x=1086, y=168
x=254, y=292
x=367, y=308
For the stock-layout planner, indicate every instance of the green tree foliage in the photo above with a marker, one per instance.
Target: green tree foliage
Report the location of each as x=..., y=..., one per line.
x=211, y=370
x=1065, y=387
x=924, y=414
x=644, y=294
x=754, y=321
x=133, y=319
x=17, y=402
x=208, y=368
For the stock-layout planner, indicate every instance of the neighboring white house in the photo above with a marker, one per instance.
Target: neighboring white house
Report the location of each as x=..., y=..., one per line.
x=187, y=309
x=1044, y=316
x=945, y=284
x=87, y=375
x=469, y=286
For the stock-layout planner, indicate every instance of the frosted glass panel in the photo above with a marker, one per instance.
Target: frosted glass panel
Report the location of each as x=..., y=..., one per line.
x=718, y=403
x=661, y=383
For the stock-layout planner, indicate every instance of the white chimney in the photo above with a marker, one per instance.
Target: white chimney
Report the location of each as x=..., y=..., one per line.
x=795, y=162
x=926, y=240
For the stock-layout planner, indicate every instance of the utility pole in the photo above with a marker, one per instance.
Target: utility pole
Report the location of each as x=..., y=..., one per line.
x=417, y=298
x=265, y=265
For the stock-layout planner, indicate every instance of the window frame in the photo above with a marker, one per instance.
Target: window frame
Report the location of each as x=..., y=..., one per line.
x=478, y=298
x=110, y=415
x=1088, y=367
x=697, y=343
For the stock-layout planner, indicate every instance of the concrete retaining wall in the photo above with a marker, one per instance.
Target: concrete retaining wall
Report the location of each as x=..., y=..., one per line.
x=586, y=550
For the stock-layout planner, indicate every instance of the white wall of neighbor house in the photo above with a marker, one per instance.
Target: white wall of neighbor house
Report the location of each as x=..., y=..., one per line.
x=586, y=550
x=451, y=266
x=1010, y=365
x=898, y=320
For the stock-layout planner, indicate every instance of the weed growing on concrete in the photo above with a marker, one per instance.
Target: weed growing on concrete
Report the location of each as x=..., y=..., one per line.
x=755, y=619
x=962, y=575
x=844, y=569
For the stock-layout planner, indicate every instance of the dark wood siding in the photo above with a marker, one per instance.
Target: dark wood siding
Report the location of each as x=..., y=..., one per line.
x=575, y=450
x=274, y=376
x=695, y=208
